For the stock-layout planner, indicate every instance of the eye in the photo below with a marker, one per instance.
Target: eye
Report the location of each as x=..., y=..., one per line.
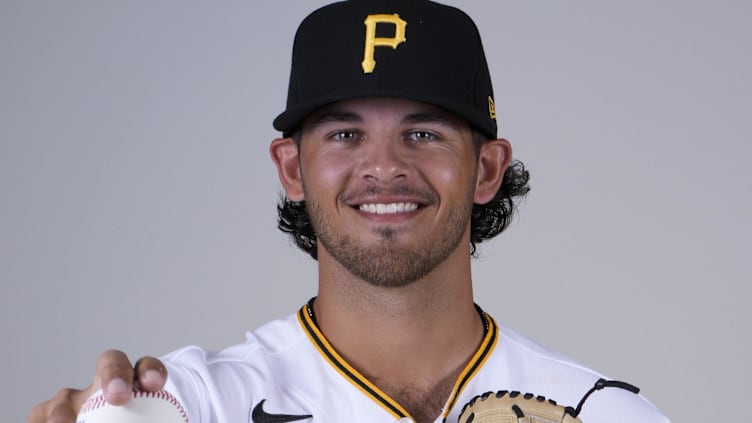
x=345, y=135
x=422, y=136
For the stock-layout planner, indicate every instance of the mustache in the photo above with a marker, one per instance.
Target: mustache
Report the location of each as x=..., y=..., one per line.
x=424, y=195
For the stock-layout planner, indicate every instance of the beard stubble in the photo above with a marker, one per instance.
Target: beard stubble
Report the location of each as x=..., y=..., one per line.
x=386, y=263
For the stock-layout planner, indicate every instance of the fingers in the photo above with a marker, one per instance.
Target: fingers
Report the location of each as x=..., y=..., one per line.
x=114, y=375
x=117, y=377
x=64, y=406
x=151, y=374
x=60, y=409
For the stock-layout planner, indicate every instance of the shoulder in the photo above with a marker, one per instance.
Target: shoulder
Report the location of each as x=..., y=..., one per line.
x=270, y=339
x=528, y=366
x=528, y=359
x=199, y=378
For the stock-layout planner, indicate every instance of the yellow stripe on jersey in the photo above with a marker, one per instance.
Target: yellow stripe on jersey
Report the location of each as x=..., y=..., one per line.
x=340, y=365
x=480, y=357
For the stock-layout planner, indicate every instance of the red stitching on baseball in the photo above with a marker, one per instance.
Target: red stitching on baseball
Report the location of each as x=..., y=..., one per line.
x=97, y=402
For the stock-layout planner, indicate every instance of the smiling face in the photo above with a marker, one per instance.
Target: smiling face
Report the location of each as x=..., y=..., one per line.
x=389, y=185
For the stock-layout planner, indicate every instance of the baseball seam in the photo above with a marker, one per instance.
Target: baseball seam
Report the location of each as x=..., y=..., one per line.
x=97, y=402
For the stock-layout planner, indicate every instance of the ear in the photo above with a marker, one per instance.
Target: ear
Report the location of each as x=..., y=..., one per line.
x=493, y=160
x=286, y=157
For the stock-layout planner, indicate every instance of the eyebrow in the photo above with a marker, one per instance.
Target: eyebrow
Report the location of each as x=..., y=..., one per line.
x=334, y=116
x=431, y=117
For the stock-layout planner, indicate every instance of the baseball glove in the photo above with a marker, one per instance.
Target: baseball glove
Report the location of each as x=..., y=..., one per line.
x=515, y=407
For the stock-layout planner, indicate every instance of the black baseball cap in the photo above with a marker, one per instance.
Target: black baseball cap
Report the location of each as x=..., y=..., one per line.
x=411, y=49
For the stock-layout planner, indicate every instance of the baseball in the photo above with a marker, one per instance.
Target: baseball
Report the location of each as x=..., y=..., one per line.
x=143, y=407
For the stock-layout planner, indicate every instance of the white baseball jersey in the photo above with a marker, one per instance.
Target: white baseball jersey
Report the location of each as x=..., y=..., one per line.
x=286, y=371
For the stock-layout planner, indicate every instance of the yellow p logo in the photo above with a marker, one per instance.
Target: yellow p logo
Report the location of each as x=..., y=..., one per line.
x=369, y=63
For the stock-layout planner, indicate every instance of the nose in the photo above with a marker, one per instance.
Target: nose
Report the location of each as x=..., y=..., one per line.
x=383, y=159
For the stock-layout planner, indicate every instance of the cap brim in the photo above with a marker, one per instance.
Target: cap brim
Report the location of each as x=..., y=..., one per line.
x=291, y=119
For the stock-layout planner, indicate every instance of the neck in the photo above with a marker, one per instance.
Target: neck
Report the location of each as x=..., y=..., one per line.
x=415, y=338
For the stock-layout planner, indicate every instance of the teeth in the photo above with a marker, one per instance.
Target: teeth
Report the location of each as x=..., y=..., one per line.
x=390, y=208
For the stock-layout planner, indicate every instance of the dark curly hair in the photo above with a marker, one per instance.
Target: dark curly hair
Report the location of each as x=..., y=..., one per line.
x=487, y=221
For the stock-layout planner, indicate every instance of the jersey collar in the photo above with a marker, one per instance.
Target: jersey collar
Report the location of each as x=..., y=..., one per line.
x=307, y=321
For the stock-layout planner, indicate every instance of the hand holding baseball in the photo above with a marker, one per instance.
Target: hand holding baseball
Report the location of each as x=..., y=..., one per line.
x=115, y=376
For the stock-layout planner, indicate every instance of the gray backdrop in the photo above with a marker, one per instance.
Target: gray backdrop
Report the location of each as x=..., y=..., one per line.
x=138, y=197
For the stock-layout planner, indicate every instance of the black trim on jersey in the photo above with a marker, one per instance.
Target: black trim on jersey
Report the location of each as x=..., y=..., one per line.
x=304, y=312
x=308, y=321
x=492, y=333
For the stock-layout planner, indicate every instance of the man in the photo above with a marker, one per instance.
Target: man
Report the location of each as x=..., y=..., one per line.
x=392, y=172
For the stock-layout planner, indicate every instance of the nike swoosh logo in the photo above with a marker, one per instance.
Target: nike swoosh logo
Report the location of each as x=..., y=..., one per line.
x=261, y=416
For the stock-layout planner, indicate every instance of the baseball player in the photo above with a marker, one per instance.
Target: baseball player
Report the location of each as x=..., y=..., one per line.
x=393, y=172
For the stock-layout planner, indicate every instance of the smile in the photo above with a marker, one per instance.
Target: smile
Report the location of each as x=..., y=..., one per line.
x=390, y=208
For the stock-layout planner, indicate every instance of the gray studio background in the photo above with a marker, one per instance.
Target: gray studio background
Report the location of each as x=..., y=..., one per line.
x=137, y=197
